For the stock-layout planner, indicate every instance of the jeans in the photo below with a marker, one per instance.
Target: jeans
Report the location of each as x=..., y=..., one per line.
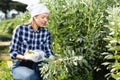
x=25, y=70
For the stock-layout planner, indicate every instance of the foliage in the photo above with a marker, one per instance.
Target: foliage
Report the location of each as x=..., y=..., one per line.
x=112, y=56
x=4, y=49
x=8, y=25
x=78, y=25
x=66, y=68
x=5, y=71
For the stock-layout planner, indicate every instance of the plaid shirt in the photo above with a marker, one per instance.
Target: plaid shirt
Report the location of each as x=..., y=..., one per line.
x=25, y=38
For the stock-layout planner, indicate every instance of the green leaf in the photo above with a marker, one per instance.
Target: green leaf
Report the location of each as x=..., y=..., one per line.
x=106, y=63
x=114, y=48
x=110, y=56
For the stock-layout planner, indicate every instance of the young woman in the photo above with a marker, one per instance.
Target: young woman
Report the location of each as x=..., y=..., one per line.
x=31, y=36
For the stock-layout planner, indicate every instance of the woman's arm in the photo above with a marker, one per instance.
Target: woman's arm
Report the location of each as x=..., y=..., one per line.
x=21, y=57
x=15, y=43
x=48, y=50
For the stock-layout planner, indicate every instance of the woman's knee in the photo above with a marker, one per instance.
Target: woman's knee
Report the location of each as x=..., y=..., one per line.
x=23, y=73
x=30, y=76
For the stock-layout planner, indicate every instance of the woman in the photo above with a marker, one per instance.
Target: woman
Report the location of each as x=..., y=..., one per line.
x=31, y=36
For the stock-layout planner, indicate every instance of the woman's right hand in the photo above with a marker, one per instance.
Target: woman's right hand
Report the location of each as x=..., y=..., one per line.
x=36, y=56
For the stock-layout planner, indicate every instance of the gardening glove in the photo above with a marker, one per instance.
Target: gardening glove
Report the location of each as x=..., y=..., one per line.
x=35, y=55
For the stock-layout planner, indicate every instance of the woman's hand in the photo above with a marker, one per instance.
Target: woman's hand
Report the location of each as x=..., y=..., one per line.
x=35, y=55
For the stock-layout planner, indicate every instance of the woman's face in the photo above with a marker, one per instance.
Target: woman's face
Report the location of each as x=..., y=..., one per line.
x=41, y=19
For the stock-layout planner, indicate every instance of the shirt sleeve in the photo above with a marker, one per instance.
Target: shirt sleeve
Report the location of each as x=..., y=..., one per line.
x=48, y=50
x=13, y=51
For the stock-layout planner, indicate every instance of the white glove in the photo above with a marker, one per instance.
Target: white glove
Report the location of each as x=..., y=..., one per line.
x=35, y=56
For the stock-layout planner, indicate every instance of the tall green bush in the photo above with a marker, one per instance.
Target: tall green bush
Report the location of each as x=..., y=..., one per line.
x=78, y=25
x=112, y=55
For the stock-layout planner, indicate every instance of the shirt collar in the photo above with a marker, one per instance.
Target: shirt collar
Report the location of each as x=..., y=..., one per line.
x=38, y=30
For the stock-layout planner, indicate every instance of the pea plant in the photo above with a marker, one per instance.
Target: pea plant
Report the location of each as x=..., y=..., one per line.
x=112, y=55
x=77, y=25
x=65, y=68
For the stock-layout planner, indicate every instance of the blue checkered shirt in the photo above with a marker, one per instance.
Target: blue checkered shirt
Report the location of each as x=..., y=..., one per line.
x=25, y=38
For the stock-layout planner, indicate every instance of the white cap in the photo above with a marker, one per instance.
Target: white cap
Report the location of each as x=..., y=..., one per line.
x=36, y=9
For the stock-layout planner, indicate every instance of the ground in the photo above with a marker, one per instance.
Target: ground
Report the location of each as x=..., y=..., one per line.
x=4, y=46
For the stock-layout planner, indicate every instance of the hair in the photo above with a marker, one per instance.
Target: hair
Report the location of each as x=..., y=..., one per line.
x=32, y=22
